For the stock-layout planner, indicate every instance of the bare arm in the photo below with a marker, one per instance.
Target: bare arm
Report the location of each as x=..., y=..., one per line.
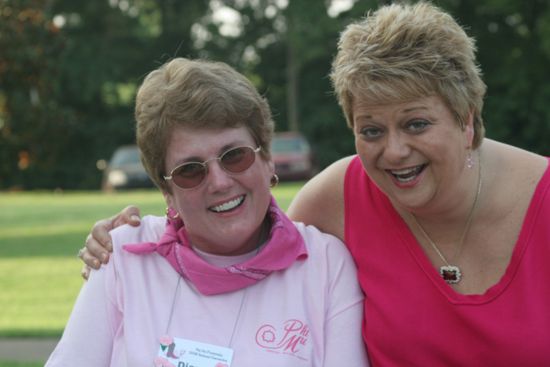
x=321, y=201
x=98, y=242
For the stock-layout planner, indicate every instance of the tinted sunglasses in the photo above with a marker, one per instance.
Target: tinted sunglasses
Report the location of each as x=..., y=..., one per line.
x=191, y=174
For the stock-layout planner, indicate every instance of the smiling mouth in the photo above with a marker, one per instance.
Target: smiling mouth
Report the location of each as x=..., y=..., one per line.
x=407, y=174
x=227, y=206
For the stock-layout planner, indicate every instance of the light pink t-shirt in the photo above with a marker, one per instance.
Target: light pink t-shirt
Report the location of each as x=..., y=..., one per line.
x=307, y=315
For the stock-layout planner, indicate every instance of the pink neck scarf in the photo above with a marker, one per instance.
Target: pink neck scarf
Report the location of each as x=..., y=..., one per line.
x=284, y=246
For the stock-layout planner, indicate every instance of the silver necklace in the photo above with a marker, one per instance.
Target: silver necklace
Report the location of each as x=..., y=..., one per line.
x=243, y=300
x=452, y=273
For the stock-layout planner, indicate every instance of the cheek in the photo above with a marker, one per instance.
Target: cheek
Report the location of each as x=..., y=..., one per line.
x=183, y=203
x=359, y=145
x=262, y=181
x=265, y=171
x=271, y=169
x=365, y=151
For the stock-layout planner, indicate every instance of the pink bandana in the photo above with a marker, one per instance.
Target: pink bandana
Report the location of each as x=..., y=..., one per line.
x=284, y=246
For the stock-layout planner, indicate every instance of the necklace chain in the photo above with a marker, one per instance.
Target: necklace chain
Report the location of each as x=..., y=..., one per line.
x=452, y=273
x=263, y=237
x=242, y=302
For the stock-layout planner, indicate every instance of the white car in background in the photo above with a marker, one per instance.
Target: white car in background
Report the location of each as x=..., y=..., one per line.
x=125, y=171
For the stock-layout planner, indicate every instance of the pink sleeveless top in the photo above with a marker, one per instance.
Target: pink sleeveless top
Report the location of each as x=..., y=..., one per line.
x=413, y=318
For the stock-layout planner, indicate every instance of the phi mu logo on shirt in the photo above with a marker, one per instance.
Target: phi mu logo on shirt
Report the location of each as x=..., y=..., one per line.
x=290, y=338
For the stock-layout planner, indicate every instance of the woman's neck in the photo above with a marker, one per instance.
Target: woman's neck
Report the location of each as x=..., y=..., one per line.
x=447, y=213
x=252, y=244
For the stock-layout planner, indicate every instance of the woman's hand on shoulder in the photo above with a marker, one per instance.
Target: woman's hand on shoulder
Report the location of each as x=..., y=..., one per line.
x=98, y=242
x=320, y=202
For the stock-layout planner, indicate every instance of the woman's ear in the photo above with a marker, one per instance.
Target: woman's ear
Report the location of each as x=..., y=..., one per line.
x=469, y=130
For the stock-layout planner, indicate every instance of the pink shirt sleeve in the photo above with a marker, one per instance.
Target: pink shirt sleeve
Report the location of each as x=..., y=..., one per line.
x=344, y=344
x=331, y=281
x=96, y=317
x=97, y=314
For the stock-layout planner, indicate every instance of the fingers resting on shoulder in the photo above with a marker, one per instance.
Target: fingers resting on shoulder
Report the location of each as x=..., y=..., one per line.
x=98, y=243
x=129, y=215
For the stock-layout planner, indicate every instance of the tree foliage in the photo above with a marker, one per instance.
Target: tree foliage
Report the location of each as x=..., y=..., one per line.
x=512, y=38
x=69, y=71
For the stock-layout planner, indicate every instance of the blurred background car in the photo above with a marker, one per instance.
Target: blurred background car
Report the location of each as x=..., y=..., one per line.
x=293, y=156
x=125, y=171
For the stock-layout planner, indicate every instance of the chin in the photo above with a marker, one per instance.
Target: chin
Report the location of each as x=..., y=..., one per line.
x=410, y=200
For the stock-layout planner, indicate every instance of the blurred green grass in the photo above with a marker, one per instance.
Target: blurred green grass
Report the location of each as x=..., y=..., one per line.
x=40, y=233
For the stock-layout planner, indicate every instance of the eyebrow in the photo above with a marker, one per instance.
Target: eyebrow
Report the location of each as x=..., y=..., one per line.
x=406, y=110
x=410, y=109
x=225, y=148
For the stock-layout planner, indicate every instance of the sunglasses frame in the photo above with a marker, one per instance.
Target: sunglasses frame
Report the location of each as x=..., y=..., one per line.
x=205, y=165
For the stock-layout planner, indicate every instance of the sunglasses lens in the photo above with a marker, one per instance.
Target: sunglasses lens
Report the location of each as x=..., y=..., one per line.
x=189, y=175
x=238, y=159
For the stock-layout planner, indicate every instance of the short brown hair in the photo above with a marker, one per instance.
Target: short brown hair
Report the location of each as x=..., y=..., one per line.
x=196, y=94
x=404, y=52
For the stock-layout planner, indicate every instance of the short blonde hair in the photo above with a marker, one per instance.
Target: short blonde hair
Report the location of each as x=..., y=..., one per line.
x=405, y=52
x=197, y=94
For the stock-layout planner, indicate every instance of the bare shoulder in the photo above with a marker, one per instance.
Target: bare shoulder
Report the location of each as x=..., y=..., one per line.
x=520, y=169
x=320, y=202
x=519, y=165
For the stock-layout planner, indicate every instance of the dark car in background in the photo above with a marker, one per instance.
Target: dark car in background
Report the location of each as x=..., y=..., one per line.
x=125, y=171
x=293, y=156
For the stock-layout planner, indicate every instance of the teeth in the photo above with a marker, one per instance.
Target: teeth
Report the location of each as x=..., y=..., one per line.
x=405, y=179
x=407, y=174
x=228, y=206
x=405, y=171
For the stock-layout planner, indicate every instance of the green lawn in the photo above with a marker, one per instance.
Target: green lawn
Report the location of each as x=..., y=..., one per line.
x=40, y=234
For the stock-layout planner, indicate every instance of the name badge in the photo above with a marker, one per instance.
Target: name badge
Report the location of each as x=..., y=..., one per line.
x=177, y=352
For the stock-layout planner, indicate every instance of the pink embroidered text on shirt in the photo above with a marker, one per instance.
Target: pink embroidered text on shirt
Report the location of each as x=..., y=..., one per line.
x=288, y=340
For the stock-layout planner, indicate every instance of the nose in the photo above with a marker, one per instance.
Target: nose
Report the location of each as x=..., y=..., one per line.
x=217, y=178
x=397, y=147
